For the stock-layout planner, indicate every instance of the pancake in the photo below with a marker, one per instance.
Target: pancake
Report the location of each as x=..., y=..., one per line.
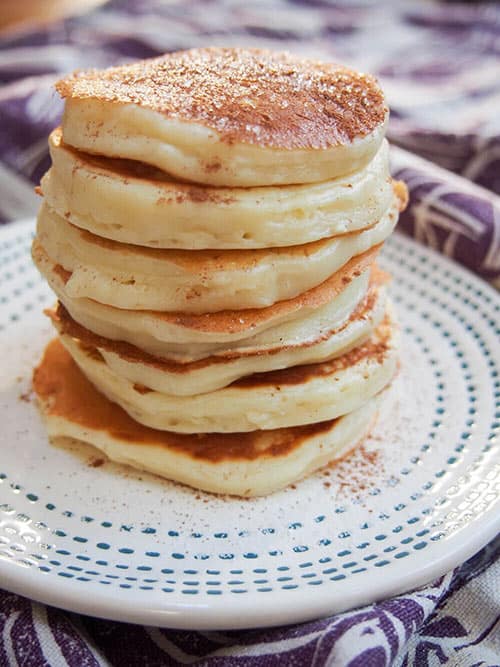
x=289, y=397
x=317, y=341
x=243, y=464
x=134, y=278
x=131, y=202
x=187, y=337
x=221, y=116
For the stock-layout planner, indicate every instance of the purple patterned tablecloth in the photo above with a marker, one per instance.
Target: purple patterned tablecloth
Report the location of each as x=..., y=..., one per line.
x=440, y=66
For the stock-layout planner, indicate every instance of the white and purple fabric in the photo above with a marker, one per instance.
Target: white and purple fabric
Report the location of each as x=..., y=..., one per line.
x=440, y=66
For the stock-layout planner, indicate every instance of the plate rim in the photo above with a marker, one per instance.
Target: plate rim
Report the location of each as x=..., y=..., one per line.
x=247, y=612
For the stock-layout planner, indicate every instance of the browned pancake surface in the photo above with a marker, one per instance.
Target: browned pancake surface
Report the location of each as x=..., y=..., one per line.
x=252, y=96
x=133, y=170
x=65, y=324
x=235, y=321
x=65, y=392
x=375, y=349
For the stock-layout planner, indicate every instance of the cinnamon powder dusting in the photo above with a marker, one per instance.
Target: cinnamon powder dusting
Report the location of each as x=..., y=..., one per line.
x=253, y=96
x=26, y=396
x=355, y=473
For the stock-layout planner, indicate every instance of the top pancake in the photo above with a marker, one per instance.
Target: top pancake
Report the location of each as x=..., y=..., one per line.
x=228, y=116
x=253, y=96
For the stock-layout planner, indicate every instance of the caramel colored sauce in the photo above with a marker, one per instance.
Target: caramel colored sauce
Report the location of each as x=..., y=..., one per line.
x=65, y=392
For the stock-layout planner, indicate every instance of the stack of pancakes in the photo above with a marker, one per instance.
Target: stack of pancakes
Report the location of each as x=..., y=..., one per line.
x=210, y=226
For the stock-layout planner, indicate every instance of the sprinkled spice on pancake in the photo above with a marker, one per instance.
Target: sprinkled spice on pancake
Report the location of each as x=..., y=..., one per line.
x=246, y=95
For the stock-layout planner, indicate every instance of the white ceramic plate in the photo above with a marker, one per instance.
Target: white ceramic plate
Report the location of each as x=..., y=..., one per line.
x=418, y=499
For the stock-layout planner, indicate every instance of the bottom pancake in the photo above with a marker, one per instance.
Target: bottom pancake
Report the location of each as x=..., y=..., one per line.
x=242, y=464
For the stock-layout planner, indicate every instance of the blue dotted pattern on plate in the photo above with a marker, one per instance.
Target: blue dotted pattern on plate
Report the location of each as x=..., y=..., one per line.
x=68, y=553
